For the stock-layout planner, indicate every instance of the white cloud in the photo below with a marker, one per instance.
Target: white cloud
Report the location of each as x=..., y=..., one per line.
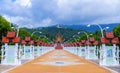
x=45, y=22
x=24, y=3
x=85, y=8
x=17, y=20
x=107, y=20
x=48, y=12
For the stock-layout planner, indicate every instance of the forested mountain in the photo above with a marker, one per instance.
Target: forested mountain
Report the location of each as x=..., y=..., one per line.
x=52, y=31
x=92, y=28
x=68, y=31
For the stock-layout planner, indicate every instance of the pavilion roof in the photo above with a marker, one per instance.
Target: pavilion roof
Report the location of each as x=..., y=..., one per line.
x=95, y=43
x=23, y=42
x=104, y=40
x=27, y=38
x=16, y=40
x=91, y=39
x=5, y=40
x=31, y=42
x=109, y=35
x=115, y=40
x=10, y=34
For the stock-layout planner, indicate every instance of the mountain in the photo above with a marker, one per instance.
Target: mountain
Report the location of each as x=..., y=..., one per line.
x=92, y=28
x=68, y=31
x=52, y=31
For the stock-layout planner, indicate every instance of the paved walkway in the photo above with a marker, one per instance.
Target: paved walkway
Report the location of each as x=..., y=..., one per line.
x=115, y=68
x=59, y=61
x=6, y=67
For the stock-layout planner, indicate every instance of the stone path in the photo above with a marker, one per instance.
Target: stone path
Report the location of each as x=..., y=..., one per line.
x=115, y=68
x=59, y=61
x=6, y=67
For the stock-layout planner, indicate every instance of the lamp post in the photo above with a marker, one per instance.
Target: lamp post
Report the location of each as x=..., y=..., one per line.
x=18, y=26
x=14, y=27
x=17, y=31
x=102, y=54
x=69, y=40
x=101, y=29
x=35, y=32
x=45, y=37
x=87, y=47
x=41, y=49
x=40, y=33
x=76, y=36
x=84, y=33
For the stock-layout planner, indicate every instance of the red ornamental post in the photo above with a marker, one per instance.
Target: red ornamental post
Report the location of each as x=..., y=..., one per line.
x=80, y=43
x=27, y=39
x=91, y=39
x=109, y=35
x=83, y=41
x=10, y=38
x=23, y=42
x=38, y=43
x=74, y=44
x=115, y=40
x=11, y=35
x=5, y=40
x=87, y=43
x=109, y=38
x=103, y=40
x=16, y=40
x=95, y=43
x=31, y=42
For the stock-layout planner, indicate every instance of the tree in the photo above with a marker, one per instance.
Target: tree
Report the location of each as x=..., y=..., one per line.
x=116, y=31
x=4, y=27
x=23, y=33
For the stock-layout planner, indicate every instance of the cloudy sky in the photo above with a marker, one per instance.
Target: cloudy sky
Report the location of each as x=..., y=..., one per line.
x=35, y=13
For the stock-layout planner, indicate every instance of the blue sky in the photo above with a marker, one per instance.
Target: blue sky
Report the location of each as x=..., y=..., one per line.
x=35, y=13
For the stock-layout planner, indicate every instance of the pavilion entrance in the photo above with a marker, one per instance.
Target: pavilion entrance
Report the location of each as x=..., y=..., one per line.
x=58, y=41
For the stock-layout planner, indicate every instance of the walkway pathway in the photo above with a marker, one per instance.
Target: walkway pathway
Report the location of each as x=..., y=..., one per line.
x=59, y=61
x=6, y=67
